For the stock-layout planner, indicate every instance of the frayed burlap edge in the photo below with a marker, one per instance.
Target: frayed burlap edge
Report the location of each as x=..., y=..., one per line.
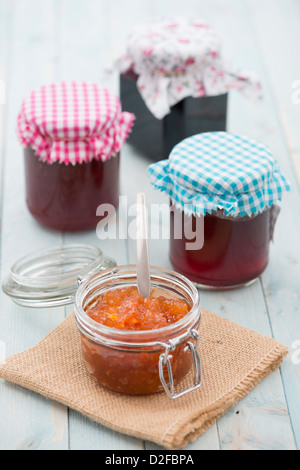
x=183, y=432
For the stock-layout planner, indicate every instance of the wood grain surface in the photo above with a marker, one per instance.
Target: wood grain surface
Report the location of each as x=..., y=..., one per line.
x=41, y=42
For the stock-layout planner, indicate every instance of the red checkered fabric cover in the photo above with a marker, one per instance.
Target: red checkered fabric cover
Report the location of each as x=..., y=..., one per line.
x=73, y=122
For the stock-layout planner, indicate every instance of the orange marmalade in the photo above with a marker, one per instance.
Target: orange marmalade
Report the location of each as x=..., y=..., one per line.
x=134, y=371
x=126, y=309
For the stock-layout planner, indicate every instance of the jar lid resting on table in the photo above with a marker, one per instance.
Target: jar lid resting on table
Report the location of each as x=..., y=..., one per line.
x=220, y=171
x=181, y=57
x=73, y=122
x=50, y=277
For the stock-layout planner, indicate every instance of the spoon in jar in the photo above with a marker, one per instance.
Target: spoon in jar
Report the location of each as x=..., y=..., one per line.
x=142, y=251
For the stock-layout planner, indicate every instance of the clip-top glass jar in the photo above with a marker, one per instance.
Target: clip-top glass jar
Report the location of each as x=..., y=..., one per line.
x=174, y=78
x=226, y=187
x=72, y=134
x=128, y=362
x=140, y=362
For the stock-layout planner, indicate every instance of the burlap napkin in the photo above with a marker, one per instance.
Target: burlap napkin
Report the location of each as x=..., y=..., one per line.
x=234, y=360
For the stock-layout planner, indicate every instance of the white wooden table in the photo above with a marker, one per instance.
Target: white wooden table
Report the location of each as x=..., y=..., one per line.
x=49, y=40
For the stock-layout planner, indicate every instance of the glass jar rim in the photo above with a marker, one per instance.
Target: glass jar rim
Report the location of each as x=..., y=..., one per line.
x=21, y=269
x=49, y=277
x=117, y=337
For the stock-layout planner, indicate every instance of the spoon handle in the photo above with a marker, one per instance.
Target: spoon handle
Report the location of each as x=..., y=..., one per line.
x=143, y=267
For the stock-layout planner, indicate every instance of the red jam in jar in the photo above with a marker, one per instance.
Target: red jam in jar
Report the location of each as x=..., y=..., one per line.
x=224, y=190
x=235, y=250
x=72, y=134
x=66, y=197
x=131, y=344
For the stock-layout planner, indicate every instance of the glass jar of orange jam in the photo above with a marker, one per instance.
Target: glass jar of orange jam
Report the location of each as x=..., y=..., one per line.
x=139, y=346
x=130, y=345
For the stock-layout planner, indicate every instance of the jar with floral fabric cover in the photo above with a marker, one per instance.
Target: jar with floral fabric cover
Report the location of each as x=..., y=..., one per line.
x=175, y=79
x=227, y=188
x=72, y=134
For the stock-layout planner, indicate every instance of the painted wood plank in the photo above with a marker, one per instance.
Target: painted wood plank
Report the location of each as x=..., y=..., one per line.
x=281, y=282
x=87, y=37
x=248, y=428
x=227, y=17
x=137, y=164
x=284, y=75
x=5, y=21
x=246, y=307
x=281, y=270
x=260, y=420
x=114, y=34
x=28, y=421
x=263, y=125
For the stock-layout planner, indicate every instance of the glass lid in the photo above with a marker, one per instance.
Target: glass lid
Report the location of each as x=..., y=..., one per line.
x=49, y=278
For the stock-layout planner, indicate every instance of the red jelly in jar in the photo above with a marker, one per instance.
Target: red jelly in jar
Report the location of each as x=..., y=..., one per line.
x=225, y=187
x=235, y=250
x=66, y=197
x=72, y=134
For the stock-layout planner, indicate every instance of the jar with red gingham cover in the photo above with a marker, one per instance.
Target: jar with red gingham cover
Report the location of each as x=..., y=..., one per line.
x=72, y=134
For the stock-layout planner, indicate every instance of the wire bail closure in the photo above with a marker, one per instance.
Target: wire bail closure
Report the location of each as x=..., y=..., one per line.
x=165, y=360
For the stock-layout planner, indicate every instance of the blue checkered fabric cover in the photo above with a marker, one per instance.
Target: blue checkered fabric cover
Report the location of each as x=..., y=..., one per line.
x=219, y=170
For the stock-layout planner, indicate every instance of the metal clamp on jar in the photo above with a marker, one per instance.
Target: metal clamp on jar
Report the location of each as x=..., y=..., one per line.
x=165, y=360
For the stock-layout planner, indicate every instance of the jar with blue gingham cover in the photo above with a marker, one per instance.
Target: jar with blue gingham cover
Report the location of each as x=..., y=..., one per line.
x=229, y=187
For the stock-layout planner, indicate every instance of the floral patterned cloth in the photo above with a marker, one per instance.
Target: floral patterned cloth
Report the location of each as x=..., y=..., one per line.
x=181, y=58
